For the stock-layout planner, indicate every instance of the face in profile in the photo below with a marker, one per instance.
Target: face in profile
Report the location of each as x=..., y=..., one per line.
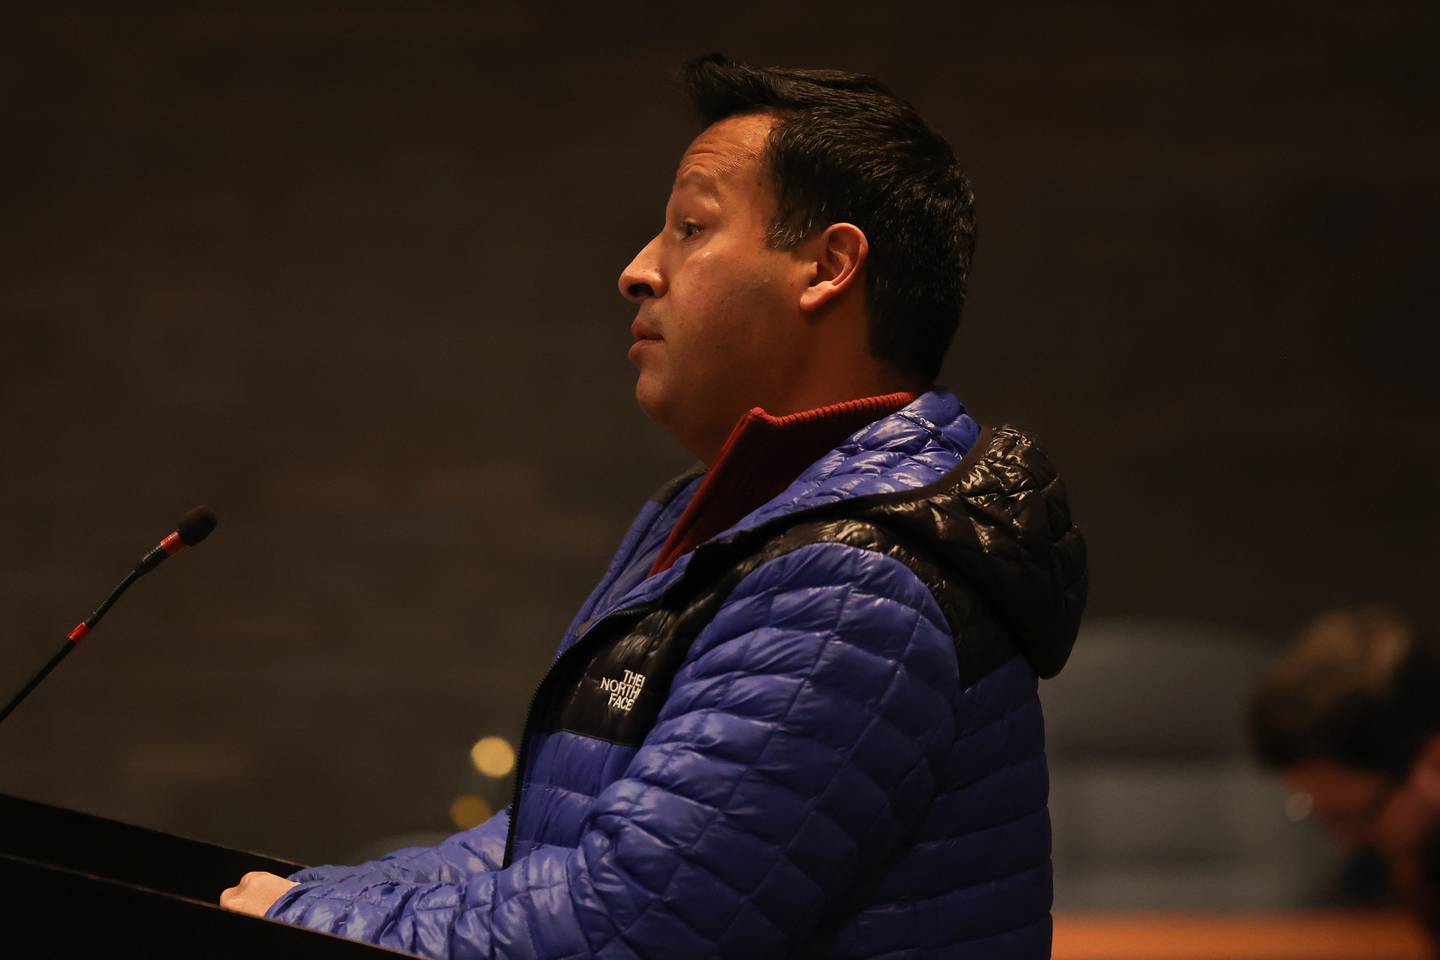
x=1359, y=808
x=716, y=330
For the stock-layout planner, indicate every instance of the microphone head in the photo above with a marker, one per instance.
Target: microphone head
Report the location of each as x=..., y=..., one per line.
x=196, y=525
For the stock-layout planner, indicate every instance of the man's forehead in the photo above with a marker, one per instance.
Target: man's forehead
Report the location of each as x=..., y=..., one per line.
x=725, y=149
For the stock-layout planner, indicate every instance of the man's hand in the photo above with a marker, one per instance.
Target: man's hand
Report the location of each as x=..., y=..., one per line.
x=255, y=893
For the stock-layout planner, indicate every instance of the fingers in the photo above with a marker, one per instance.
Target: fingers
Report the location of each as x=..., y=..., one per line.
x=255, y=893
x=231, y=896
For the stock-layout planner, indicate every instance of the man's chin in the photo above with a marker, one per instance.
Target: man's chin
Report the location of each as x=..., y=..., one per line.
x=650, y=398
x=665, y=409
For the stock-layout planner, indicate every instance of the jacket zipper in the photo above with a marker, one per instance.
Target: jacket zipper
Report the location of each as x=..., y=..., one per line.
x=977, y=449
x=520, y=759
x=705, y=548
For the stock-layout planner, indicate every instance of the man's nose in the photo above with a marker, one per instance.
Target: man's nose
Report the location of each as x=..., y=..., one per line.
x=642, y=279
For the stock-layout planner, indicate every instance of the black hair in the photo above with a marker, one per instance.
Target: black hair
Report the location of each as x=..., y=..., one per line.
x=1358, y=689
x=844, y=149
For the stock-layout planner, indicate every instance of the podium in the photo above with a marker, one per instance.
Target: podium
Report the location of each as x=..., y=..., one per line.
x=77, y=885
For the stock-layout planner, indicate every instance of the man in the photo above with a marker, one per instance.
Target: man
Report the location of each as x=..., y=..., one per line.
x=798, y=715
x=1350, y=716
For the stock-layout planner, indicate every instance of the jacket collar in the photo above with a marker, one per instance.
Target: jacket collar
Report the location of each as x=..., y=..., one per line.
x=760, y=459
x=908, y=449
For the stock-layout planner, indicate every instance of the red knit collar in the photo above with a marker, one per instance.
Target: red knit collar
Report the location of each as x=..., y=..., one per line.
x=761, y=457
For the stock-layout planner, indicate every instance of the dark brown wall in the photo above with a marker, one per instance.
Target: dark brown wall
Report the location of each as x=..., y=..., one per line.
x=349, y=276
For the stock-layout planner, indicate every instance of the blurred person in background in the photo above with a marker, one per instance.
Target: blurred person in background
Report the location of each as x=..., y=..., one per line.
x=1350, y=716
x=798, y=716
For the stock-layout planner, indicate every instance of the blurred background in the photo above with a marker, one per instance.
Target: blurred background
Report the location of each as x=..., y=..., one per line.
x=347, y=273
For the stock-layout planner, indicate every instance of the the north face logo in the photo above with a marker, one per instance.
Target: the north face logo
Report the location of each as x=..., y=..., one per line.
x=623, y=690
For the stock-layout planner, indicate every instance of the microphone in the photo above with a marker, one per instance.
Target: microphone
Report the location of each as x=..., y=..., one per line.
x=195, y=526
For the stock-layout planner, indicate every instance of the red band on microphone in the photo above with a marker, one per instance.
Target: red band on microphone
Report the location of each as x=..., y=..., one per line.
x=78, y=633
x=172, y=544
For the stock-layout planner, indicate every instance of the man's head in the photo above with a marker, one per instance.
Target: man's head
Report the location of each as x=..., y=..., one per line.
x=1351, y=716
x=815, y=248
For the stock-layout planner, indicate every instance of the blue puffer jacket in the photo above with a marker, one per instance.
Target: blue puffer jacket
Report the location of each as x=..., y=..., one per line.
x=817, y=734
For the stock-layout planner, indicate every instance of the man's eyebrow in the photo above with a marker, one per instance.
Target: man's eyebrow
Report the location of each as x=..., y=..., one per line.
x=700, y=179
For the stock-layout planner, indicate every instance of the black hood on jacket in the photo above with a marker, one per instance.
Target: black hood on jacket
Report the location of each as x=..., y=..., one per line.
x=1001, y=521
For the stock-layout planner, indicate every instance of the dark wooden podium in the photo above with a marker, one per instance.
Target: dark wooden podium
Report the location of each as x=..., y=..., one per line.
x=76, y=885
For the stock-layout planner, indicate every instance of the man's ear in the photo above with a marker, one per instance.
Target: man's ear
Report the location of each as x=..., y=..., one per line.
x=1426, y=771
x=839, y=252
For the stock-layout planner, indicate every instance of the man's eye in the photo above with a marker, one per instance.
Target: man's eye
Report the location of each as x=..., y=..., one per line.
x=689, y=228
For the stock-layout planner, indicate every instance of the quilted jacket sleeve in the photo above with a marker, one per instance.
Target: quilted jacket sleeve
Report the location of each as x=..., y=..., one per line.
x=457, y=857
x=798, y=746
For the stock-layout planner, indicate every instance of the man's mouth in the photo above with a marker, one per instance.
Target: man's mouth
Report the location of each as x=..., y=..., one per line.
x=643, y=331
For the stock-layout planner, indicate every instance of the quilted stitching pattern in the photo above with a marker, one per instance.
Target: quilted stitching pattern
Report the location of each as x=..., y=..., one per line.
x=817, y=782
x=900, y=452
x=475, y=850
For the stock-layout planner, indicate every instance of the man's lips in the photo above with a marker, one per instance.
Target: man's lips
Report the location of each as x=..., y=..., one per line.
x=643, y=331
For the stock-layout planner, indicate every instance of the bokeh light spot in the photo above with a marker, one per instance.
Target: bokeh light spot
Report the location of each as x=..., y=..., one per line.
x=468, y=810
x=493, y=756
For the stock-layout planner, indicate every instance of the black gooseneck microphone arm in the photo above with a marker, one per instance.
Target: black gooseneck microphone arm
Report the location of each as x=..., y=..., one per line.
x=192, y=528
